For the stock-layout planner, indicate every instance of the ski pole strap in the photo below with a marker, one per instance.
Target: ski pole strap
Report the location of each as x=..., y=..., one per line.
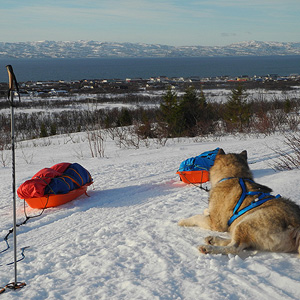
x=22, y=253
x=5, y=239
x=20, y=259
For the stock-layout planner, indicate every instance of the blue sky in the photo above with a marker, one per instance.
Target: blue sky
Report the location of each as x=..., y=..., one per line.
x=169, y=22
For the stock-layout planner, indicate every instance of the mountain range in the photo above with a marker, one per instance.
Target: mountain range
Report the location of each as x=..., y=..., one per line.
x=95, y=49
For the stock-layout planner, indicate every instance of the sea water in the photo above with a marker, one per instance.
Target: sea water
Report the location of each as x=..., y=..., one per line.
x=108, y=68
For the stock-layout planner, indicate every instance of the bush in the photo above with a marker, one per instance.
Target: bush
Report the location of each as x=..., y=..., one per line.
x=289, y=159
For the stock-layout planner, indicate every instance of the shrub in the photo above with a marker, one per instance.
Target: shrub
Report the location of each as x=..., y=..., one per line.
x=289, y=159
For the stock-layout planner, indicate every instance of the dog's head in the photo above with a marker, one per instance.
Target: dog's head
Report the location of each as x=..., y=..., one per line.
x=230, y=165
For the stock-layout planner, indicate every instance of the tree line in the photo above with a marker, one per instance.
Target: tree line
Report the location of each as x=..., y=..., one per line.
x=193, y=115
x=188, y=115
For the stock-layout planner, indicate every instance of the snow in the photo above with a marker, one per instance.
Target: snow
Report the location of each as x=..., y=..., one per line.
x=123, y=242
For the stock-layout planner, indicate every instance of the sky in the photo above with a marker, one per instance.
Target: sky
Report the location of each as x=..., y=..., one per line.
x=169, y=22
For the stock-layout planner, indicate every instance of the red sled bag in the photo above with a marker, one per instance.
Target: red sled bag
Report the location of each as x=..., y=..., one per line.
x=55, y=186
x=35, y=187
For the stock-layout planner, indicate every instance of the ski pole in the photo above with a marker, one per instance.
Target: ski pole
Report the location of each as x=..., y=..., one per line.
x=13, y=84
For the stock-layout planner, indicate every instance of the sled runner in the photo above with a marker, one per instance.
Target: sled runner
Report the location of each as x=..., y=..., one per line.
x=54, y=186
x=196, y=169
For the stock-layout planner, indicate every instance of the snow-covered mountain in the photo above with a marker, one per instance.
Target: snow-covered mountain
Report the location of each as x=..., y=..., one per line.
x=83, y=49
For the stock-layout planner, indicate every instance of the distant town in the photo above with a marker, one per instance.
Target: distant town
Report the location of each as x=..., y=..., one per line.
x=94, y=86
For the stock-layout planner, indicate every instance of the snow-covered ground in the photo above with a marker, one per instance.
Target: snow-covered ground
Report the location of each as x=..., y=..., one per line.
x=212, y=95
x=123, y=242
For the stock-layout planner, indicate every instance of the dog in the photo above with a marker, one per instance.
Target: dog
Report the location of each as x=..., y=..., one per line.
x=272, y=224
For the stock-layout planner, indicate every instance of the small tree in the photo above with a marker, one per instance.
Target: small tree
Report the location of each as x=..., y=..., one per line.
x=237, y=108
x=43, y=132
x=53, y=129
x=195, y=113
x=125, y=118
x=207, y=116
x=189, y=109
x=287, y=106
x=170, y=113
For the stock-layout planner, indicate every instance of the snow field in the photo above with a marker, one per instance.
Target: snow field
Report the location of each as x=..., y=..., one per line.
x=123, y=242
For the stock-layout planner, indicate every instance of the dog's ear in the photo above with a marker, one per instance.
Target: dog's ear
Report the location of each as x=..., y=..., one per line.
x=221, y=152
x=244, y=153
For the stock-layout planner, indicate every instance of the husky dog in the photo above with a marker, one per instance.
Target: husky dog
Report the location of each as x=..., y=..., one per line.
x=259, y=220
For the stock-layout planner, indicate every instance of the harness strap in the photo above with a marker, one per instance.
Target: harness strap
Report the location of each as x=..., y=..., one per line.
x=259, y=200
x=227, y=178
x=243, y=196
x=249, y=207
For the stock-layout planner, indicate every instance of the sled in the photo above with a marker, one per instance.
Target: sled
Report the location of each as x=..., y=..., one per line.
x=55, y=186
x=193, y=176
x=52, y=200
x=196, y=169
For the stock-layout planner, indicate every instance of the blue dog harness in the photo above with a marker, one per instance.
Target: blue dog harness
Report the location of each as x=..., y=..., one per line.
x=259, y=200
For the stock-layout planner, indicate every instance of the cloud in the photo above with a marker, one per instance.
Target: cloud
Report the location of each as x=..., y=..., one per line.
x=148, y=11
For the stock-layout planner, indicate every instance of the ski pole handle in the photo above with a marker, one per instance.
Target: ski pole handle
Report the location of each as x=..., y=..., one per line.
x=13, y=83
x=11, y=77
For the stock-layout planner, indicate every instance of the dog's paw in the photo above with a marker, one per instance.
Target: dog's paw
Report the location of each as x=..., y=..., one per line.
x=182, y=222
x=205, y=249
x=210, y=240
x=206, y=212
